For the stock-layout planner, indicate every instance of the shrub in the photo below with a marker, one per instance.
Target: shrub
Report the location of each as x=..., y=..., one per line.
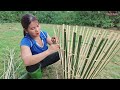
x=86, y=18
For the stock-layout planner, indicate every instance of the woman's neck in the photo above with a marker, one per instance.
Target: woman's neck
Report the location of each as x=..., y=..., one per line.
x=37, y=38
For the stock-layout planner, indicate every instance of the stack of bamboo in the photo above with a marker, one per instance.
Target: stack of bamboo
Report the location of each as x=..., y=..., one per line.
x=85, y=51
x=11, y=65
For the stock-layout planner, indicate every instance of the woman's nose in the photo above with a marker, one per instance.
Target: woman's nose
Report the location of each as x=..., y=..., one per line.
x=36, y=30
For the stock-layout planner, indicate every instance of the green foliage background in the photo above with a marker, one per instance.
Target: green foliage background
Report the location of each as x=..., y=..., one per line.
x=86, y=18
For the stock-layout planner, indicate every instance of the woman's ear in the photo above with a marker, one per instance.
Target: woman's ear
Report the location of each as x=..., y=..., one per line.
x=25, y=30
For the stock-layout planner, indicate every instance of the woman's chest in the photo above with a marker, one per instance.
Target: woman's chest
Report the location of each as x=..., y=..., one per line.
x=39, y=47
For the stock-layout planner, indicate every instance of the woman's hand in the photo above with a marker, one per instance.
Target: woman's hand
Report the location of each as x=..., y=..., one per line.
x=53, y=48
x=55, y=40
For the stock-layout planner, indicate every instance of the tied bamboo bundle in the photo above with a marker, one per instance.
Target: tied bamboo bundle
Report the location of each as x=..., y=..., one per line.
x=12, y=65
x=85, y=51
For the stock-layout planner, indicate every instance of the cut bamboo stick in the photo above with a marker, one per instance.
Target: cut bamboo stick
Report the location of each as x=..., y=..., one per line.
x=112, y=47
x=65, y=53
x=90, y=60
x=69, y=56
x=85, y=51
x=100, y=42
x=88, y=50
x=83, y=48
x=92, y=55
x=104, y=51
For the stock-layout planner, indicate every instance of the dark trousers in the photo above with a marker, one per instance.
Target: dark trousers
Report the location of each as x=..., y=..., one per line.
x=45, y=62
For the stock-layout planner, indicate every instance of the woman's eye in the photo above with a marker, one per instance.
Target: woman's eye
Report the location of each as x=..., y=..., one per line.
x=32, y=28
x=37, y=25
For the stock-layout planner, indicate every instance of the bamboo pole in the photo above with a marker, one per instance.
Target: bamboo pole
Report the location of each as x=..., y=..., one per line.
x=84, y=58
x=88, y=49
x=69, y=54
x=115, y=52
x=106, y=47
x=75, y=52
x=98, y=61
x=65, y=53
x=113, y=44
x=63, y=62
x=91, y=48
x=105, y=64
x=82, y=29
x=66, y=49
x=98, y=45
x=85, y=34
x=90, y=59
x=80, y=54
x=100, y=42
x=73, y=48
x=78, y=47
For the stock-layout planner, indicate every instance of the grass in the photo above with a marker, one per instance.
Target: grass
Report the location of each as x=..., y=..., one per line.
x=11, y=35
x=112, y=70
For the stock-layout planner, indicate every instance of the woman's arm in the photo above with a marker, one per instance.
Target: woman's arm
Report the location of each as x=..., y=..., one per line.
x=30, y=59
x=49, y=40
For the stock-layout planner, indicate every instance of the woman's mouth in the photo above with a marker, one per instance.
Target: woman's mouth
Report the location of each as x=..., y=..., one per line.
x=37, y=33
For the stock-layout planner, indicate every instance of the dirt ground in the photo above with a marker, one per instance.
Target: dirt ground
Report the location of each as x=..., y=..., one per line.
x=53, y=71
x=114, y=30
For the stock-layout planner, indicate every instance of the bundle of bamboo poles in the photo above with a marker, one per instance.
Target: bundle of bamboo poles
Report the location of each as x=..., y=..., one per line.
x=85, y=51
x=11, y=66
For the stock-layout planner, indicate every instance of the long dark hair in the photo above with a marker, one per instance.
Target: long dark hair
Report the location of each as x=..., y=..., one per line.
x=26, y=20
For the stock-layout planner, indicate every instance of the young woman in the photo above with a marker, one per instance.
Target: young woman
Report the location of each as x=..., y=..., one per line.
x=34, y=47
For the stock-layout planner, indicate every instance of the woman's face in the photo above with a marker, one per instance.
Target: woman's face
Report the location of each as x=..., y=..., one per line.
x=34, y=29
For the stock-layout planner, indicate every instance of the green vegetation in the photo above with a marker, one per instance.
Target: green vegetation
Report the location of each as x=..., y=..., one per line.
x=85, y=18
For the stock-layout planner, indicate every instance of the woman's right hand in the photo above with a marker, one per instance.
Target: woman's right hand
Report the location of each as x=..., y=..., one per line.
x=53, y=48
